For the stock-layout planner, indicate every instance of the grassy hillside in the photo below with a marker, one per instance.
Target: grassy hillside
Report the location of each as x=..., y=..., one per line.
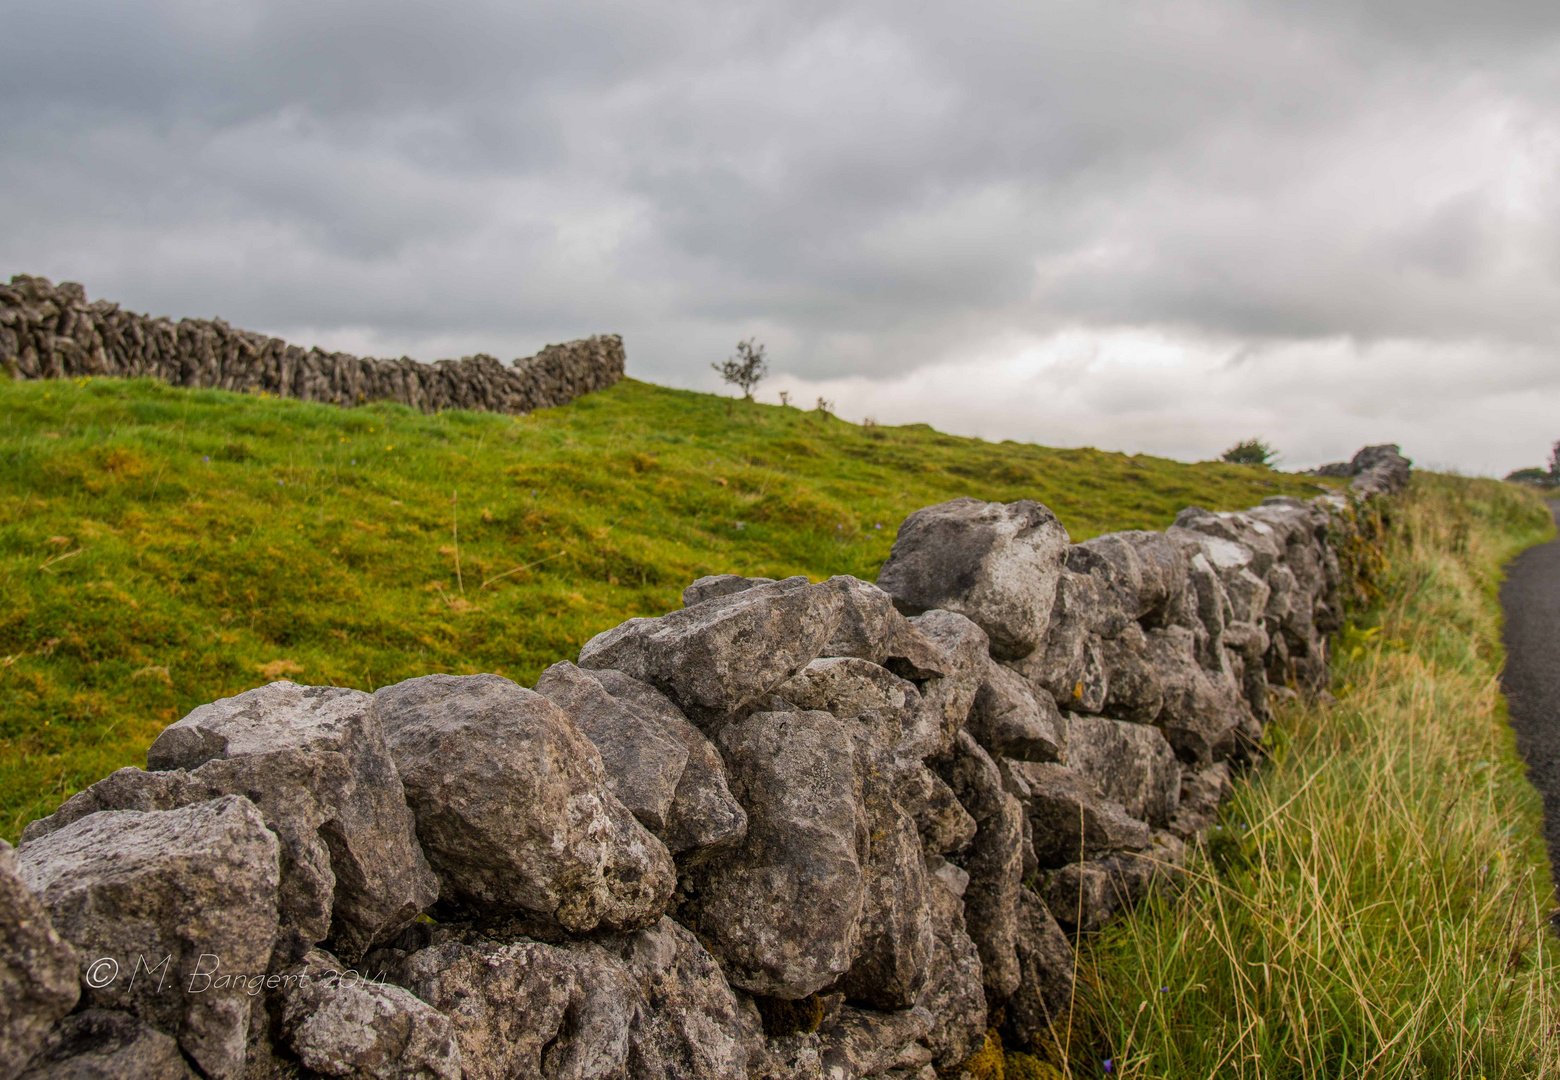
x=160, y=547
x=1377, y=900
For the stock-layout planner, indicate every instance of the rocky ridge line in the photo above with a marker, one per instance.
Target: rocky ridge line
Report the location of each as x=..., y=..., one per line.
x=791, y=830
x=51, y=331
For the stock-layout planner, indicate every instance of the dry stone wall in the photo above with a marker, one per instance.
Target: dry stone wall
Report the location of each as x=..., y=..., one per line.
x=793, y=829
x=51, y=331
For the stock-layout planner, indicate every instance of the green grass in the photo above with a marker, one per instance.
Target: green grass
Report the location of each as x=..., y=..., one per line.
x=1375, y=903
x=161, y=547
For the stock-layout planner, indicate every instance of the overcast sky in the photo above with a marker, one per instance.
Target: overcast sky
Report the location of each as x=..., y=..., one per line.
x=1153, y=227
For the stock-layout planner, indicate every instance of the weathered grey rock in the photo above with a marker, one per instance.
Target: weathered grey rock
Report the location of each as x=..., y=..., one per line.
x=1379, y=470
x=947, y=699
x=864, y=1042
x=604, y=1008
x=342, y=1025
x=953, y=994
x=994, y=861
x=704, y=818
x=995, y=563
x=1149, y=574
x=690, y=1026
x=1201, y=713
x=853, y=689
x=314, y=761
x=1012, y=718
x=1133, y=688
x=714, y=585
x=505, y=1003
x=1131, y=764
x=1208, y=611
x=783, y=912
x=1256, y=536
x=39, y=981
x=1235, y=563
x=1045, y=995
x=513, y=808
x=1070, y=666
x=643, y=763
x=940, y=818
x=720, y=655
x=1070, y=820
x=896, y=931
x=105, y=1044
x=1201, y=794
x=872, y=628
x=1090, y=593
x=194, y=889
x=1084, y=896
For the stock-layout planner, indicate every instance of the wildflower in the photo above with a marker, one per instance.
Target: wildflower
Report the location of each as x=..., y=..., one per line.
x=206, y=458
x=1110, y=1066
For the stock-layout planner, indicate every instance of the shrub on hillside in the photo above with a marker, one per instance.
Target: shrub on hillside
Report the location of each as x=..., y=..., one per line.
x=1251, y=452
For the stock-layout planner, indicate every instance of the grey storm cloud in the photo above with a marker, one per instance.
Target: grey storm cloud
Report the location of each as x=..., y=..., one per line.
x=875, y=188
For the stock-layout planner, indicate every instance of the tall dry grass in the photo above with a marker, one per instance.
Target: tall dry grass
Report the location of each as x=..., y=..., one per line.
x=1376, y=900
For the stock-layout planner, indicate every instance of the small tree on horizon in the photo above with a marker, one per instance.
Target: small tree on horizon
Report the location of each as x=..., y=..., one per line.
x=1251, y=452
x=746, y=369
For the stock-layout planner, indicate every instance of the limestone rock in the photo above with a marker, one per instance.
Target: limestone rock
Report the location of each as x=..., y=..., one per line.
x=1201, y=713
x=871, y=628
x=1131, y=764
x=105, y=1044
x=1134, y=690
x=604, y=1008
x=863, y=1042
x=1012, y=718
x=715, y=585
x=896, y=932
x=782, y=913
x=643, y=763
x=953, y=993
x=853, y=689
x=1070, y=665
x=940, y=818
x=341, y=1025
x=994, y=861
x=194, y=889
x=314, y=761
x=722, y=654
x=948, y=698
x=1070, y=820
x=1201, y=794
x=39, y=981
x=1149, y=576
x=704, y=818
x=1084, y=896
x=505, y=1003
x=1045, y=957
x=995, y=563
x=691, y=1028
x=513, y=809
x=1256, y=536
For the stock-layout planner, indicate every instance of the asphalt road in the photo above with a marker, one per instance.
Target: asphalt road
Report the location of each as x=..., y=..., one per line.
x=1531, y=681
